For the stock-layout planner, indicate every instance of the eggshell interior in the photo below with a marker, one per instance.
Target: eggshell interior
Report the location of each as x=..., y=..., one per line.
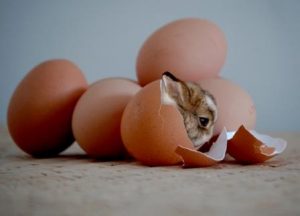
x=97, y=117
x=278, y=144
x=40, y=109
x=235, y=106
x=151, y=131
x=190, y=48
x=249, y=147
x=194, y=158
x=245, y=148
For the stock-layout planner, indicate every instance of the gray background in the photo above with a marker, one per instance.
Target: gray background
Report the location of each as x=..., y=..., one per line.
x=103, y=38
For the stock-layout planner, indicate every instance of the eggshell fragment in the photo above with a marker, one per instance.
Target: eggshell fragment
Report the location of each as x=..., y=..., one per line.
x=194, y=158
x=151, y=131
x=97, y=117
x=190, y=48
x=250, y=147
x=235, y=106
x=40, y=109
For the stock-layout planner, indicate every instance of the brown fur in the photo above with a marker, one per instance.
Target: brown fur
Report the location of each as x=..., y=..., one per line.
x=193, y=103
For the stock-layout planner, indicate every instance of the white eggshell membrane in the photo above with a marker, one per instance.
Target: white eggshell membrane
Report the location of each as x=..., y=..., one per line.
x=277, y=143
x=194, y=158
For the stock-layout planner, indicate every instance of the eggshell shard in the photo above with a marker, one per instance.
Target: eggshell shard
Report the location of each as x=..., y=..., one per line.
x=151, y=131
x=250, y=147
x=194, y=158
x=278, y=144
x=97, y=117
x=40, y=109
x=235, y=106
x=191, y=48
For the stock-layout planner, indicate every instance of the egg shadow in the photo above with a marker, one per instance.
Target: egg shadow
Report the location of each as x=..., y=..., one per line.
x=73, y=156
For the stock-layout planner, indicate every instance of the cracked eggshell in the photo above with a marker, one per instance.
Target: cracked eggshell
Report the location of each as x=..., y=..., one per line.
x=97, y=117
x=40, y=109
x=235, y=106
x=190, y=48
x=152, y=131
x=215, y=154
x=250, y=147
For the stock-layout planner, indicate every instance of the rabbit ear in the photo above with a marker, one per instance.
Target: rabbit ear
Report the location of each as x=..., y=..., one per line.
x=171, y=89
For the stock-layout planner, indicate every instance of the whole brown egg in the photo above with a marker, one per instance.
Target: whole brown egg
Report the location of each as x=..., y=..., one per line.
x=41, y=107
x=97, y=117
x=191, y=48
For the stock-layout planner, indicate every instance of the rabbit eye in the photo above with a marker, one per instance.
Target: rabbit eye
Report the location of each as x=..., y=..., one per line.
x=203, y=121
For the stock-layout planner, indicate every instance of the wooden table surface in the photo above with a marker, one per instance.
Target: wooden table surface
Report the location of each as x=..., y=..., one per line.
x=72, y=184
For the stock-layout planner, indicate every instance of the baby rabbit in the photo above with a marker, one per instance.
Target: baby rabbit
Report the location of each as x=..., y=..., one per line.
x=197, y=107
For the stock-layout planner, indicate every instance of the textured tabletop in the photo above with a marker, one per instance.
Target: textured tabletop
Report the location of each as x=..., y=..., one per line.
x=73, y=184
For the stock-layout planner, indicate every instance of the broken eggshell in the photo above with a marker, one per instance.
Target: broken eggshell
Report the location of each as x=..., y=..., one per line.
x=163, y=140
x=190, y=156
x=194, y=158
x=246, y=147
x=249, y=147
x=150, y=131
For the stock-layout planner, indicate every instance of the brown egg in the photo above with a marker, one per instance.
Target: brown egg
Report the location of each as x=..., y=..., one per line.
x=151, y=131
x=97, y=117
x=235, y=106
x=190, y=48
x=40, y=110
